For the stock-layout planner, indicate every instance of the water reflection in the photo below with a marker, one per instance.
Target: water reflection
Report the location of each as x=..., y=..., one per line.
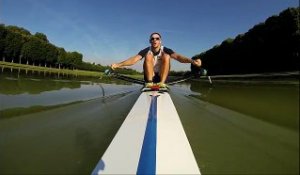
x=24, y=91
x=271, y=102
x=15, y=86
x=18, y=72
x=66, y=140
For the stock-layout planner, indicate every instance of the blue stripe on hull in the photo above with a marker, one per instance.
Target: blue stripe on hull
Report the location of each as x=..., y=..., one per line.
x=147, y=162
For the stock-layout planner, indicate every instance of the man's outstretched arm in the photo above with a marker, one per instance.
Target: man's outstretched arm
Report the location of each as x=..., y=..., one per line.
x=130, y=61
x=184, y=59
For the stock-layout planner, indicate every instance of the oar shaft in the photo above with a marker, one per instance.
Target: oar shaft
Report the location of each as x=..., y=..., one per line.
x=201, y=72
x=123, y=77
x=182, y=79
x=129, y=79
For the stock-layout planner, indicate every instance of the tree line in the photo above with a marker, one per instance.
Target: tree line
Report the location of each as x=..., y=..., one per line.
x=271, y=46
x=18, y=45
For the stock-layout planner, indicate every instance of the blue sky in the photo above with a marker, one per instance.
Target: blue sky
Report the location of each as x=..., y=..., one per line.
x=108, y=31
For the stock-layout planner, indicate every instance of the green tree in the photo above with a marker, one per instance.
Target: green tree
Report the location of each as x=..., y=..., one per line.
x=18, y=30
x=13, y=46
x=33, y=51
x=17, y=42
x=41, y=36
x=269, y=46
x=50, y=54
x=74, y=59
x=3, y=33
x=62, y=57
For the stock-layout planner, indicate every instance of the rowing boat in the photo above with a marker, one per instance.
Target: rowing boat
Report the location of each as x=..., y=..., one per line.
x=151, y=140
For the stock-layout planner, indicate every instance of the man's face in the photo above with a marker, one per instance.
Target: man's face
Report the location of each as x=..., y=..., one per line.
x=155, y=40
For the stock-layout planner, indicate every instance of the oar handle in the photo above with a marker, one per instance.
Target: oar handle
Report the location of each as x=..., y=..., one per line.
x=196, y=70
x=108, y=71
x=203, y=72
x=199, y=71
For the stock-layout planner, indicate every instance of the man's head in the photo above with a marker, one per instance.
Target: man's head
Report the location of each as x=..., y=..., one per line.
x=155, y=39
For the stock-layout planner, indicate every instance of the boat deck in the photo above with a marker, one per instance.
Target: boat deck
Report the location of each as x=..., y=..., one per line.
x=151, y=140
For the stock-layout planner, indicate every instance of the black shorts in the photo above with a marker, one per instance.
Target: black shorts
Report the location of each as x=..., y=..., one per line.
x=156, y=78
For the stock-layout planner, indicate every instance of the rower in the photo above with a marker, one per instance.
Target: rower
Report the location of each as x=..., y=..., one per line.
x=156, y=61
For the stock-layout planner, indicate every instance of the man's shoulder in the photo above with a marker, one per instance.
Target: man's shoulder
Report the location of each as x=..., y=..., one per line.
x=146, y=49
x=143, y=52
x=168, y=50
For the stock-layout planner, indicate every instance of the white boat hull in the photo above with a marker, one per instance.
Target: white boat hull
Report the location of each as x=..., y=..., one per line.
x=151, y=140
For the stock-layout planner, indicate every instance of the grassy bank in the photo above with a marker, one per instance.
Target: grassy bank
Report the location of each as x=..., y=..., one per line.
x=50, y=70
x=58, y=71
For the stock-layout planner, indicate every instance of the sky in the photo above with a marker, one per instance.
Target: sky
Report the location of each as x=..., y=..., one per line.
x=109, y=31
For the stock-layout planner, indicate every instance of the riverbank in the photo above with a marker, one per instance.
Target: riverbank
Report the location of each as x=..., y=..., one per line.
x=75, y=72
x=271, y=77
x=50, y=70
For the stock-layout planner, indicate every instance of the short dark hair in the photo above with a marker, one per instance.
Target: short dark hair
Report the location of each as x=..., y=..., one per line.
x=155, y=33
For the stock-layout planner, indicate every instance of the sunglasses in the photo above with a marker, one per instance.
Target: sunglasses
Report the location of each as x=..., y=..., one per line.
x=152, y=39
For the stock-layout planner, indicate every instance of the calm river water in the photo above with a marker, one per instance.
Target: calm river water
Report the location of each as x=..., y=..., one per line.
x=63, y=125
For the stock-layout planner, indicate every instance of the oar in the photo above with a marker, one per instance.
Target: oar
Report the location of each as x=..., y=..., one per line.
x=196, y=72
x=110, y=72
x=181, y=79
x=200, y=73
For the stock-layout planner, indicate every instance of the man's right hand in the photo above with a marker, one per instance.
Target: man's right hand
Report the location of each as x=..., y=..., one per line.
x=197, y=62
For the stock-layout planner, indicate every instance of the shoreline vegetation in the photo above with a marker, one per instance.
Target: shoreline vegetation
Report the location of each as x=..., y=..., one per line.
x=61, y=71
x=278, y=76
x=74, y=72
x=270, y=46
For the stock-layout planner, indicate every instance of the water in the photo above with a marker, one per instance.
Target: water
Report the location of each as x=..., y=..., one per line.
x=52, y=92
x=234, y=127
x=53, y=138
x=241, y=127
